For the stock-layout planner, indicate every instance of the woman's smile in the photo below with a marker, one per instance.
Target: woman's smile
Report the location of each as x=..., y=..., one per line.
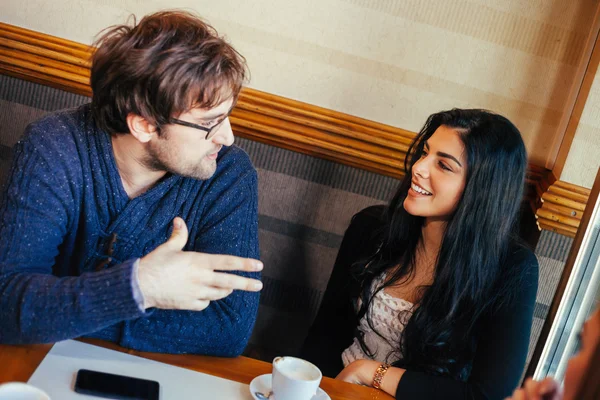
x=416, y=190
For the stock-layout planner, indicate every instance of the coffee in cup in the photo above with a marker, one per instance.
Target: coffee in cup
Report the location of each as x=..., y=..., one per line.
x=295, y=379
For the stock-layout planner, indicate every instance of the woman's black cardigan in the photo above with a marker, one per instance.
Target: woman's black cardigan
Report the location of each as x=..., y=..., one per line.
x=501, y=346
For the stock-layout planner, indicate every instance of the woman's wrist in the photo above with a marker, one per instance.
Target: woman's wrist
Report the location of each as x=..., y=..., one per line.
x=362, y=372
x=379, y=375
x=367, y=371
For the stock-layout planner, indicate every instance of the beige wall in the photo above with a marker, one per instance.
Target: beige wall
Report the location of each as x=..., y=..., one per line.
x=387, y=60
x=583, y=160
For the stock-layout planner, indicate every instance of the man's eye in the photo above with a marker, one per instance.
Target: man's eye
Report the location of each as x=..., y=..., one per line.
x=207, y=124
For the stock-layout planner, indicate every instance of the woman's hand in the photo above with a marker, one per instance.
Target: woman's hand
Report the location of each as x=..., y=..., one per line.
x=359, y=372
x=548, y=389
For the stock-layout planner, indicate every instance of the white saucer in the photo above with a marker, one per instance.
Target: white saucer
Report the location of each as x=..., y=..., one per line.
x=262, y=384
x=21, y=391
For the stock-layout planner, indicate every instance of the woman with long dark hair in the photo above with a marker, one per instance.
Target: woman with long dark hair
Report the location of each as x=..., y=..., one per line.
x=433, y=295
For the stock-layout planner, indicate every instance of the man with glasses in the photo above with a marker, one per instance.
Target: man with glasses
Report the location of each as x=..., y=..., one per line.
x=133, y=219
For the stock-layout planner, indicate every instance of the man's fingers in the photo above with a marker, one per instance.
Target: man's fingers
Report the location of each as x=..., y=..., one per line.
x=531, y=388
x=519, y=394
x=198, y=305
x=230, y=281
x=548, y=386
x=222, y=262
x=179, y=236
x=215, y=293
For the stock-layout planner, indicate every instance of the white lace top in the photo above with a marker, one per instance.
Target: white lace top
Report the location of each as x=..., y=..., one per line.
x=384, y=312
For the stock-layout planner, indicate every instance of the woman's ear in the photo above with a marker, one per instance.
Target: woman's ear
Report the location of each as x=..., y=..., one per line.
x=140, y=128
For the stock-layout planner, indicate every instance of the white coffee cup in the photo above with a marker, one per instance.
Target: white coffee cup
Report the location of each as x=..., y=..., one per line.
x=295, y=379
x=21, y=391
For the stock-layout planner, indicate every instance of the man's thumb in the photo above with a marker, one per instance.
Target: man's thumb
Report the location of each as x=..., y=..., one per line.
x=179, y=236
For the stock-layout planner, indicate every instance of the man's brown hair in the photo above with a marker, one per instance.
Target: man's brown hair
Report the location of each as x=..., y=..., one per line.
x=168, y=63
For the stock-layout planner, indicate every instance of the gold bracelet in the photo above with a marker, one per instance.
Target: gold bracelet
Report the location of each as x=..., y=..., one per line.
x=379, y=373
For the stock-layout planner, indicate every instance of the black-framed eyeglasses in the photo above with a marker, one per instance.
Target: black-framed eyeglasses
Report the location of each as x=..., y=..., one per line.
x=210, y=132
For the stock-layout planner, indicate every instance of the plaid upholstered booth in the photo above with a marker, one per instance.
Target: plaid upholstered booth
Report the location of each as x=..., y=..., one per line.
x=305, y=205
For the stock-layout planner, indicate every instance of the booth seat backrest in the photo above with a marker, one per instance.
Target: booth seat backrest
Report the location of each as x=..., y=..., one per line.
x=305, y=205
x=551, y=251
x=22, y=102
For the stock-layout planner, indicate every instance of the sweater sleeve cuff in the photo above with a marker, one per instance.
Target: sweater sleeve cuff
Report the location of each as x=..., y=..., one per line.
x=138, y=296
x=113, y=294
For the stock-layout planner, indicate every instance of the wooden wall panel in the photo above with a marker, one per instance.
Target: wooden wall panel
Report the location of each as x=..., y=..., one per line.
x=276, y=121
x=562, y=207
x=258, y=116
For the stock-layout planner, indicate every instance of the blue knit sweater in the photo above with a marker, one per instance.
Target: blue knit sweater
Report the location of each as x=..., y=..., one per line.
x=64, y=200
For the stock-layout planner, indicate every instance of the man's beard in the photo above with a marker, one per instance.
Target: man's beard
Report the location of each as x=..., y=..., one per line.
x=159, y=158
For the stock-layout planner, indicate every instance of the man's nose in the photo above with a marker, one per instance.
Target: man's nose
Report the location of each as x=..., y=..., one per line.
x=224, y=134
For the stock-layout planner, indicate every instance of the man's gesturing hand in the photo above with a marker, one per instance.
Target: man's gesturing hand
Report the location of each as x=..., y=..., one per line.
x=170, y=278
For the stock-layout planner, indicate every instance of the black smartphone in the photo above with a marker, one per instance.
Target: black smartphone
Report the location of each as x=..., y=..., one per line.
x=111, y=386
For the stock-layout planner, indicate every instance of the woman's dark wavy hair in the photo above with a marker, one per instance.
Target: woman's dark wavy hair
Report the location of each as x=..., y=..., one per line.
x=471, y=277
x=169, y=62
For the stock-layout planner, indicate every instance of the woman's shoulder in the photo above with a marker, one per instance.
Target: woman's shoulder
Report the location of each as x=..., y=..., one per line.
x=522, y=258
x=361, y=238
x=519, y=282
x=364, y=231
x=368, y=219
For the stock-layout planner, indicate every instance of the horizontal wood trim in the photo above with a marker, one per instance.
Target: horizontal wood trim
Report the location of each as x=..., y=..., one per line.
x=555, y=208
x=573, y=188
x=556, y=227
x=562, y=208
x=563, y=201
x=557, y=191
x=558, y=217
x=281, y=122
x=258, y=116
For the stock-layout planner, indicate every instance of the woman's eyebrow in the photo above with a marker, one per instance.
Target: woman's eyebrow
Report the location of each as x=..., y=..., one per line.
x=445, y=155
x=450, y=156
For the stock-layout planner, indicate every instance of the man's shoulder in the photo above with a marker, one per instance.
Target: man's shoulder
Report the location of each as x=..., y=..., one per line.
x=59, y=127
x=58, y=138
x=234, y=171
x=232, y=163
x=236, y=155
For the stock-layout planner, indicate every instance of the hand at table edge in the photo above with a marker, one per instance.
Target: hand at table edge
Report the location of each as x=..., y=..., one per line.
x=361, y=372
